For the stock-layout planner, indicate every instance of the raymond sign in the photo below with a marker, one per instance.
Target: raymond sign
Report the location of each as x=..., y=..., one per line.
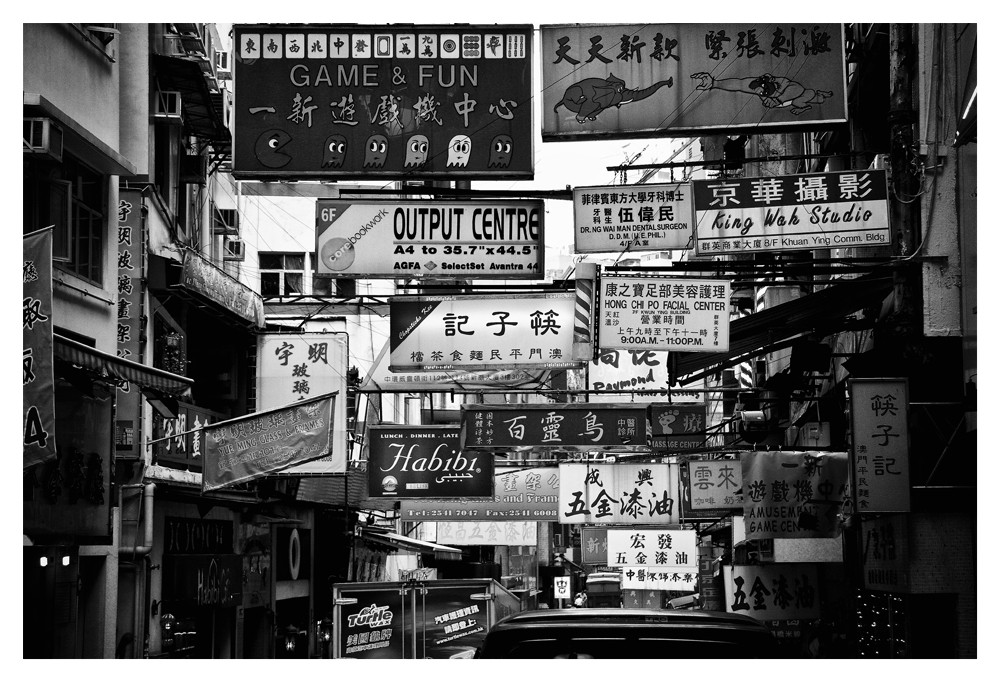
x=518, y=495
x=317, y=101
x=431, y=239
x=636, y=217
x=879, y=409
x=664, y=314
x=262, y=443
x=564, y=425
x=629, y=80
x=791, y=212
x=631, y=370
x=425, y=461
x=793, y=494
x=429, y=333
x=773, y=591
x=618, y=493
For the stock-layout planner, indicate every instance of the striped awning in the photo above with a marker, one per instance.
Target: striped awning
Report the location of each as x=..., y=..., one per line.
x=112, y=367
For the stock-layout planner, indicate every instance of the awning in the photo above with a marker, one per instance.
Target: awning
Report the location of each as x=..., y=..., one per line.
x=823, y=313
x=107, y=365
x=397, y=541
x=203, y=109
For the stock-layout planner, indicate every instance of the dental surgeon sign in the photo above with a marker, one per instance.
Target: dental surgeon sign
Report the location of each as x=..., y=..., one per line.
x=791, y=212
x=430, y=239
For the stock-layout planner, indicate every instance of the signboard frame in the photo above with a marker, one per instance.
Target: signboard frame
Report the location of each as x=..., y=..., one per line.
x=633, y=217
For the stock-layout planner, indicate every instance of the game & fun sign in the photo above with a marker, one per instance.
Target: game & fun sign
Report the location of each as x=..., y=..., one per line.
x=316, y=101
x=431, y=239
x=636, y=217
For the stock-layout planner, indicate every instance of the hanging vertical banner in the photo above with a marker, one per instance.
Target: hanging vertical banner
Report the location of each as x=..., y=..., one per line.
x=773, y=591
x=635, y=217
x=657, y=313
x=131, y=276
x=618, y=493
x=293, y=367
x=881, y=444
x=38, y=383
x=793, y=494
x=629, y=80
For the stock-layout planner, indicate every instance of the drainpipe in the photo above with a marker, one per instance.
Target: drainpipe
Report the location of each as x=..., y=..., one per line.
x=146, y=508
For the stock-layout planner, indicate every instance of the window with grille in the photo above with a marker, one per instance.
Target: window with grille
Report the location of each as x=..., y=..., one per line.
x=281, y=274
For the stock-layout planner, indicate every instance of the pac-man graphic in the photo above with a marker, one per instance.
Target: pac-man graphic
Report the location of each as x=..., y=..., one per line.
x=500, y=151
x=334, y=151
x=459, y=150
x=376, y=151
x=417, y=148
x=268, y=148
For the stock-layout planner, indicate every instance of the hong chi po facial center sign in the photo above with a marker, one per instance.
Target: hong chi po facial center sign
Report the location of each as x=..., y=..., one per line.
x=791, y=212
x=664, y=314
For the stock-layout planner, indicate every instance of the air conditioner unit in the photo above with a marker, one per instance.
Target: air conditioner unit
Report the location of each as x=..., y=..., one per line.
x=43, y=138
x=233, y=250
x=174, y=46
x=226, y=221
x=168, y=105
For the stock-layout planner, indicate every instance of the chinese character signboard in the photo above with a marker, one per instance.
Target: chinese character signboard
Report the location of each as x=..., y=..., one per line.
x=678, y=427
x=793, y=494
x=657, y=313
x=263, y=443
x=201, y=276
x=431, y=239
x=186, y=447
x=131, y=275
x=716, y=484
x=628, y=80
x=393, y=101
x=36, y=364
x=429, y=333
x=886, y=554
x=295, y=367
x=655, y=559
x=561, y=426
x=496, y=533
x=772, y=591
x=594, y=545
x=425, y=461
x=518, y=495
x=791, y=212
x=454, y=620
x=618, y=493
x=636, y=217
x=615, y=372
x=881, y=449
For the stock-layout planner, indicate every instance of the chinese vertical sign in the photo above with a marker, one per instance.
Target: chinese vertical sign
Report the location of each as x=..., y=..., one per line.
x=879, y=409
x=657, y=313
x=618, y=493
x=130, y=315
x=387, y=100
x=793, y=494
x=886, y=552
x=558, y=425
x=294, y=367
x=716, y=484
x=655, y=559
x=38, y=381
x=791, y=212
x=772, y=591
x=617, y=80
x=636, y=217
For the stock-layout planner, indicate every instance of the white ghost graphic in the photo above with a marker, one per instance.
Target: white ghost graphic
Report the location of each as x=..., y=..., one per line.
x=459, y=150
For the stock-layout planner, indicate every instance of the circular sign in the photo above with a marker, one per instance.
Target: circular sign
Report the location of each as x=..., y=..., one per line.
x=294, y=554
x=389, y=483
x=337, y=254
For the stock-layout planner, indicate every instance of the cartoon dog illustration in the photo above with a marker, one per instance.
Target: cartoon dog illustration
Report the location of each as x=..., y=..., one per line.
x=775, y=92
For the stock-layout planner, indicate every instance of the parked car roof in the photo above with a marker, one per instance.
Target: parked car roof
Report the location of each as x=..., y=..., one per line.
x=628, y=633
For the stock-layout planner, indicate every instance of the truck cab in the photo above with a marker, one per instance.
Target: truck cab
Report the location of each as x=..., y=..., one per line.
x=604, y=590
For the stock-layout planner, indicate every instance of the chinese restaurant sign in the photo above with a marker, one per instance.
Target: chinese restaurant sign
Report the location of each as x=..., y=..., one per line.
x=793, y=494
x=886, y=554
x=879, y=409
x=566, y=425
x=716, y=484
x=656, y=313
x=678, y=427
x=518, y=495
x=425, y=461
x=36, y=364
x=773, y=591
x=293, y=367
x=431, y=239
x=430, y=333
x=634, y=370
x=263, y=443
x=618, y=493
x=655, y=559
x=390, y=100
x=791, y=212
x=630, y=80
x=635, y=217
x=496, y=533
x=130, y=279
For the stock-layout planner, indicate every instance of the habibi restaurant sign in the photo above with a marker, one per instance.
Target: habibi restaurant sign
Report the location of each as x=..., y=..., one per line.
x=317, y=101
x=791, y=212
x=627, y=80
x=431, y=239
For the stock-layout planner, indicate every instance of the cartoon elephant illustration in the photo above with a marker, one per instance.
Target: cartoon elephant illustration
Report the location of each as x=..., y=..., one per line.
x=775, y=92
x=589, y=97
